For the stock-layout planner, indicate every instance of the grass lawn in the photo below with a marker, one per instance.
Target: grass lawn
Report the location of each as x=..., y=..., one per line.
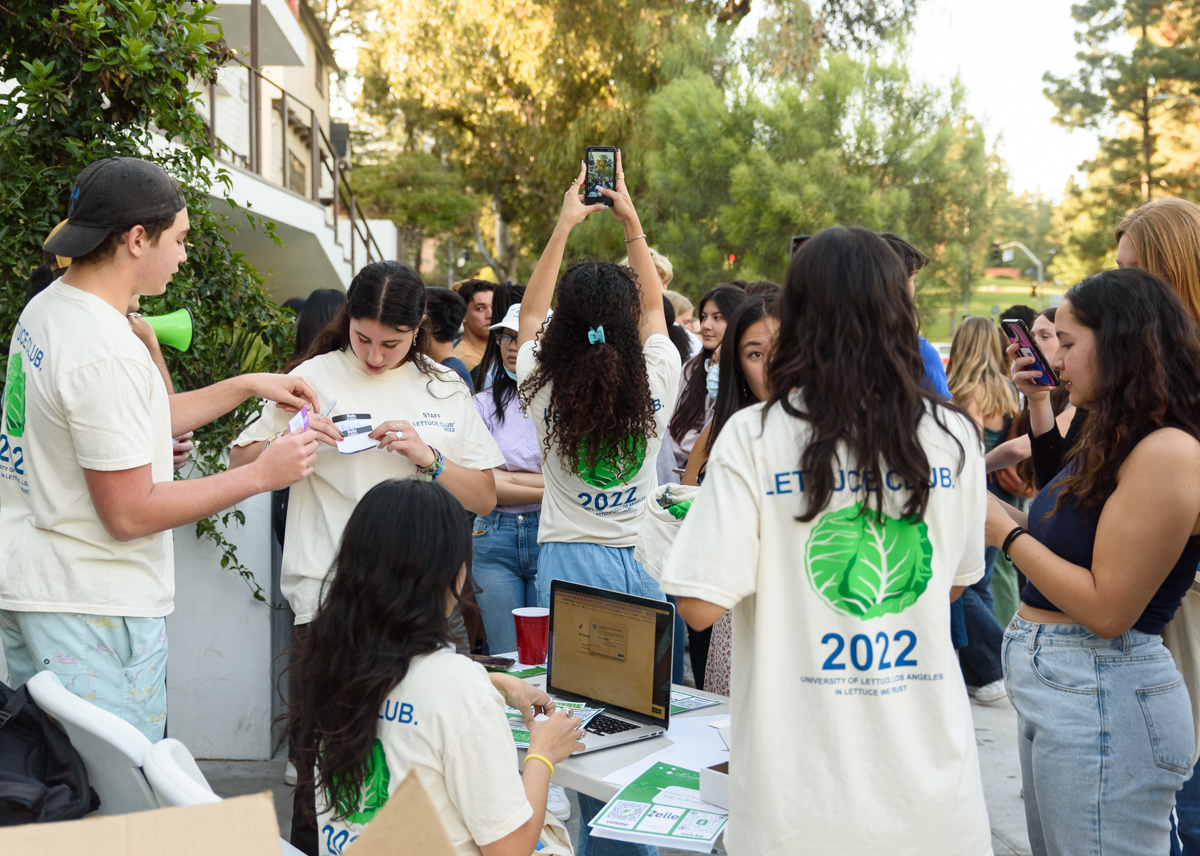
x=1001, y=293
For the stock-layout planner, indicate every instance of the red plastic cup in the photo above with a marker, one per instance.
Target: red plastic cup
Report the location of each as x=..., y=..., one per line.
x=533, y=634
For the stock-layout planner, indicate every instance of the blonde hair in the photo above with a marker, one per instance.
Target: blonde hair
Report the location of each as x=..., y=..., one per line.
x=1165, y=234
x=662, y=264
x=679, y=303
x=976, y=369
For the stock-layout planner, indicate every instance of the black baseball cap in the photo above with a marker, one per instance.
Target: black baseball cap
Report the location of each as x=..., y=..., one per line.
x=114, y=193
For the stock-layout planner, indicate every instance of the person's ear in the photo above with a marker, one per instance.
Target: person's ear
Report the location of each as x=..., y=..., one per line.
x=136, y=241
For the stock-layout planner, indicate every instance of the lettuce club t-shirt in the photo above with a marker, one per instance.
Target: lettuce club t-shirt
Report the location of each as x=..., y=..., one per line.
x=447, y=722
x=603, y=504
x=852, y=729
x=81, y=392
x=438, y=406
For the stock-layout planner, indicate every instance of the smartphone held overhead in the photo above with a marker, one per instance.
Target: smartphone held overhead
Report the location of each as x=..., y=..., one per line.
x=1019, y=335
x=601, y=172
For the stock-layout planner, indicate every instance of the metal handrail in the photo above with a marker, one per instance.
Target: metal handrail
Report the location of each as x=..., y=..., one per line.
x=343, y=193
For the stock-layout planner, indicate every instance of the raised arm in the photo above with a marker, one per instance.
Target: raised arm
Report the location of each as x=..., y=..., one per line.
x=649, y=285
x=539, y=291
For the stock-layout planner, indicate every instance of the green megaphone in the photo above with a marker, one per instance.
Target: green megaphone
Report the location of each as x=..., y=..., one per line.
x=174, y=328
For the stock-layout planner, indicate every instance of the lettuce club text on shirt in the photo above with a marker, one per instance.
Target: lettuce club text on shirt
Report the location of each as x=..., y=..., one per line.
x=792, y=481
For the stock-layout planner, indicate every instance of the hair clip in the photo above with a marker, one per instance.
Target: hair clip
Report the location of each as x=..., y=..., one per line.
x=596, y=335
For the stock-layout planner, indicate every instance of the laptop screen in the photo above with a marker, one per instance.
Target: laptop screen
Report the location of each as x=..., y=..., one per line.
x=612, y=649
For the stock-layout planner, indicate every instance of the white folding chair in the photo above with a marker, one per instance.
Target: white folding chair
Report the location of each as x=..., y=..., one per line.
x=111, y=748
x=177, y=780
x=174, y=777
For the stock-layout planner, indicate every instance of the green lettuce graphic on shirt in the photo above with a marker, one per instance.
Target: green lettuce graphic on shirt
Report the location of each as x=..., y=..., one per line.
x=867, y=565
x=374, y=792
x=613, y=469
x=14, y=397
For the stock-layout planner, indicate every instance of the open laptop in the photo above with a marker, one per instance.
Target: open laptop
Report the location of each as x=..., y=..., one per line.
x=611, y=650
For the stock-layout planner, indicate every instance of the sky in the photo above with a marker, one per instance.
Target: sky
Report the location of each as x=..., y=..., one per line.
x=1001, y=51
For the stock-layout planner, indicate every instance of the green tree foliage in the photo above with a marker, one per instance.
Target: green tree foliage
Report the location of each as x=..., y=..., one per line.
x=1141, y=99
x=735, y=172
x=101, y=78
x=1111, y=85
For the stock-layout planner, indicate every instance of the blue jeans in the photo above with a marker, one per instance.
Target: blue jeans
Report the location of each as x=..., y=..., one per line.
x=613, y=568
x=981, y=657
x=505, y=566
x=1104, y=732
x=1187, y=811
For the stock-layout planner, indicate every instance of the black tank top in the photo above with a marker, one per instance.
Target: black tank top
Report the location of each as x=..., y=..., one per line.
x=1071, y=535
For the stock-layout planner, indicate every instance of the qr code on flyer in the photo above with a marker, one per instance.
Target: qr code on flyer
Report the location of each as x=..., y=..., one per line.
x=700, y=824
x=624, y=814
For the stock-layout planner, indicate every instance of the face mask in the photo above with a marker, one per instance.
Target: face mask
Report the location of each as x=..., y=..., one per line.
x=511, y=374
x=713, y=379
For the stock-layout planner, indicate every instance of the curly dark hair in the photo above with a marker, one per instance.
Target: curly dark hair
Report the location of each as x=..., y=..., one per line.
x=600, y=402
x=385, y=603
x=1147, y=375
x=847, y=341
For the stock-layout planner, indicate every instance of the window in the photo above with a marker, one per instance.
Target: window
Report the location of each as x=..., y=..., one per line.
x=296, y=174
x=320, y=77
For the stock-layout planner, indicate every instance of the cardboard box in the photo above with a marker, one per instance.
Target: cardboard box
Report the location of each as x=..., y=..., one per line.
x=407, y=825
x=714, y=785
x=242, y=825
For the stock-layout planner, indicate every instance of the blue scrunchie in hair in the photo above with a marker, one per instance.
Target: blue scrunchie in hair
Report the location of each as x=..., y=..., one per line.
x=596, y=335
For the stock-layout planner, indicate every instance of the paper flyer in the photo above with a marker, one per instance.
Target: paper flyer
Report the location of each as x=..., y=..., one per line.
x=662, y=807
x=683, y=702
x=521, y=734
x=356, y=428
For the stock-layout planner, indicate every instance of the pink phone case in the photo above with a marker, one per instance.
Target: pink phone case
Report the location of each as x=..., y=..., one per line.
x=1017, y=334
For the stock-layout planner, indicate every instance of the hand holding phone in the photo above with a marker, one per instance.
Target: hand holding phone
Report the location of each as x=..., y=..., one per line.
x=1018, y=334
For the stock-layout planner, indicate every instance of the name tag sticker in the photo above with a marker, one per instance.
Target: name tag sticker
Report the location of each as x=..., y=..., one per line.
x=356, y=428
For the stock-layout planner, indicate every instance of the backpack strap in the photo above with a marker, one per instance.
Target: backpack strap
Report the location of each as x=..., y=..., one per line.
x=15, y=705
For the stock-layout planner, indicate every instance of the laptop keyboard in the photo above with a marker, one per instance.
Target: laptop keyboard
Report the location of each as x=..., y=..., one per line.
x=606, y=725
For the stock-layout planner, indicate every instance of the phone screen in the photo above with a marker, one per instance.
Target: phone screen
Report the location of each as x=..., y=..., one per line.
x=601, y=172
x=1019, y=335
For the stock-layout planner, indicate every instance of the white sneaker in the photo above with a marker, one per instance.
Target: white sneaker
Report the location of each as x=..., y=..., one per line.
x=558, y=804
x=289, y=775
x=988, y=693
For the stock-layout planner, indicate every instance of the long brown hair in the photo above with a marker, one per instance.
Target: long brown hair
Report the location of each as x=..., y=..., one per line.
x=1147, y=375
x=388, y=292
x=1165, y=234
x=384, y=604
x=848, y=345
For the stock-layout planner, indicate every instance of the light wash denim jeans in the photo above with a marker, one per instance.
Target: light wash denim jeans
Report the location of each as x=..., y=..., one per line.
x=612, y=568
x=505, y=566
x=1104, y=731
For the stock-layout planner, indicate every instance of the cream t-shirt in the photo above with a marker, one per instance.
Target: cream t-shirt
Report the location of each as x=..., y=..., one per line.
x=852, y=729
x=81, y=392
x=446, y=721
x=602, y=505
x=439, y=407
